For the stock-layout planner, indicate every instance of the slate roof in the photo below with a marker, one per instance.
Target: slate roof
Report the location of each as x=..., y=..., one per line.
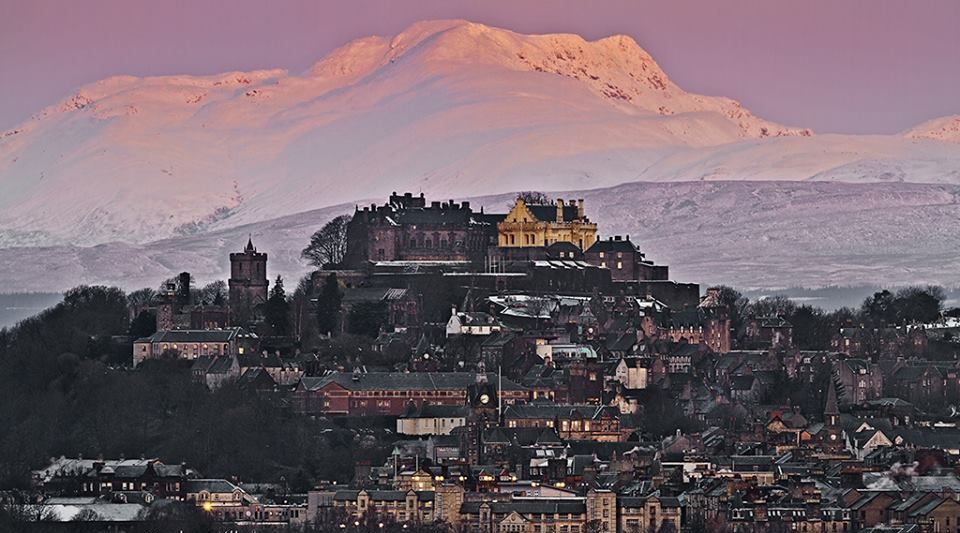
x=221, y=365
x=550, y=411
x=549, y=507
x=426, y=381
x=741, y=383
x=548, y=212
x=429, y=410
x=201, y=364
x=194, y=486
x=254, y=377
x=382, y=495
x=372, y=294
x=613, y=245
x=195, y=335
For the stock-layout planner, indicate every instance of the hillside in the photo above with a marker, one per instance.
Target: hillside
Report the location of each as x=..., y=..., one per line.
x=753, y=235
x=131, y=179
x=449, y=107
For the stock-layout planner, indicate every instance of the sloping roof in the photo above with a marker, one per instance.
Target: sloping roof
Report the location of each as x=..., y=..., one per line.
x=548, y=212
x=549, y=411
x=256, y=376
x=372, y=294
x=426, y=381
x=220, y=365
x=429, y=410
x=382, y=495
x=613, y=244
x=741, y=382
x=193, y=486
x=196, y=335
x=538, y=506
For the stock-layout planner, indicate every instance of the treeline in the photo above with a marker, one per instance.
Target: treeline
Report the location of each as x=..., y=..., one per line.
x=65, y=395
x=813, y=327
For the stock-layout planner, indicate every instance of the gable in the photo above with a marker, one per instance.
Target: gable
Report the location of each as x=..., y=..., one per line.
x=520, y=213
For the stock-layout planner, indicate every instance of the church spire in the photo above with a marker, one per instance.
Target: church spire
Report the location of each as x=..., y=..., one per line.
x=250, y=247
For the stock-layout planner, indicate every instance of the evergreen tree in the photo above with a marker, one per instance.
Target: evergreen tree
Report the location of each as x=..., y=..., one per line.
x=277, y=311
x=367, y=318
x=144, y=325
x=328, y=305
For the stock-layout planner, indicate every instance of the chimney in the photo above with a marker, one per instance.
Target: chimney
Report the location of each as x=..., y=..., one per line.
x=465, y=205
x=580, y=211
x=617, y=238
x=559, y=210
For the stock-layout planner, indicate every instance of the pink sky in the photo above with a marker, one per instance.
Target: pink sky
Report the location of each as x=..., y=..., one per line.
x=857, y=66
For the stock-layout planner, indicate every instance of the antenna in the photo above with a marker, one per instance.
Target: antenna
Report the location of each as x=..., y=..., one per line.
x=499, y=394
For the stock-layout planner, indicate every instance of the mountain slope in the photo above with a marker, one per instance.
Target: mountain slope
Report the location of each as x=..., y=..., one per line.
x=752, y=235
x=449, y=107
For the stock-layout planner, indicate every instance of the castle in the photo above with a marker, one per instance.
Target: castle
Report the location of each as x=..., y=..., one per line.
x=407, y=229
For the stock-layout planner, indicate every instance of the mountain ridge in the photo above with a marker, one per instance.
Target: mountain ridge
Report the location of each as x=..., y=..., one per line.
x=451, y=108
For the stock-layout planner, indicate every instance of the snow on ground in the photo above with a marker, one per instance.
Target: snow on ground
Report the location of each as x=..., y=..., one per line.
x=753, y=235
x=131, y=179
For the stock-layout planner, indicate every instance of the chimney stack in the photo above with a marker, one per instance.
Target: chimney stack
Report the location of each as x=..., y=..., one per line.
x=580, y=211
x=559, y=210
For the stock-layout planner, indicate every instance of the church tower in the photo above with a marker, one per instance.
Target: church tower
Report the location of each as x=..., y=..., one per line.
x=248, y=277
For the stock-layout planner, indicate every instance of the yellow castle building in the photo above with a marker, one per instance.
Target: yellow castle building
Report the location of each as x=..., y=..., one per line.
x=536, y=225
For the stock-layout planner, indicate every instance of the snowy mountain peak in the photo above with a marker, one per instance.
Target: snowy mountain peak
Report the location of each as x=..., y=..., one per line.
x=450, y=108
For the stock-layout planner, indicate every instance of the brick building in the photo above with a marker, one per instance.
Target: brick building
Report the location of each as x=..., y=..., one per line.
x=392, y=393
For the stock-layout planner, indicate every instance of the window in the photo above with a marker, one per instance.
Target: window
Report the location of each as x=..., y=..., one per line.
x=619, y=265
x=601, y=255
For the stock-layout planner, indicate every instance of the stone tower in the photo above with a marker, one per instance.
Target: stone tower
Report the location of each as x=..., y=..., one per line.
x=248, y=277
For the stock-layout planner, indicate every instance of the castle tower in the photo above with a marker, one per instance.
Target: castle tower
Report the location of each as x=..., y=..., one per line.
x=248, y=277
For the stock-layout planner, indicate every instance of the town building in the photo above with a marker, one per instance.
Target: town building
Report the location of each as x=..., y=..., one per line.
x=624, y=259
x=195, y=343
x=393, y=393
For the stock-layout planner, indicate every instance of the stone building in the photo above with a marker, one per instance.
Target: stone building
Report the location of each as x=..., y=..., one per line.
x=248, y=277
x=625, y=260
x=407, y=229
x=541, y=225
x=192, y=344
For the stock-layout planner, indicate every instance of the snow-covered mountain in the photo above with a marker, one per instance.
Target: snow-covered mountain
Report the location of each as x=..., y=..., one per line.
x=166, y=173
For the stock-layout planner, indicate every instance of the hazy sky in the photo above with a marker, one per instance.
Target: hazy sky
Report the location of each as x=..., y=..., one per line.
x=854, y=66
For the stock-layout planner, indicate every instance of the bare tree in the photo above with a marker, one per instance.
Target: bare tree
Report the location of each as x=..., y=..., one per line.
x=141, y=297
x=532, y=198
x=214, y=293
x=328, y=246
